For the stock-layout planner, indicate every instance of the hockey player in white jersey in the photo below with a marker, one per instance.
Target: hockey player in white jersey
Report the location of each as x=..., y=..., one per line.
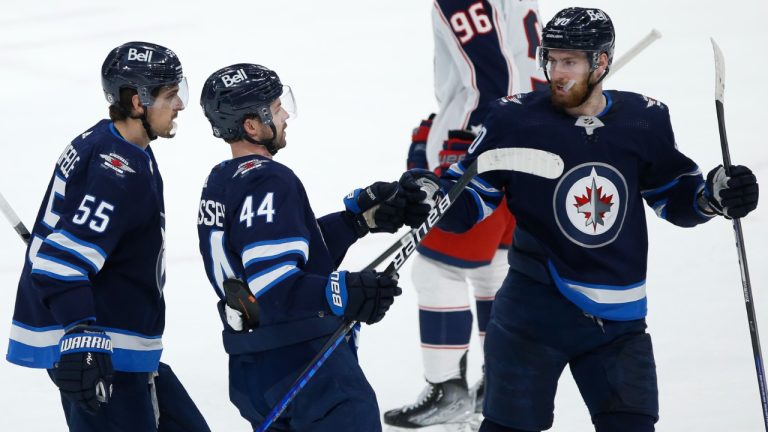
x=483, y=51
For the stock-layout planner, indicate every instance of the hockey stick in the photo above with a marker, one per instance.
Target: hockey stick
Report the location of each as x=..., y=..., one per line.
x=13, y=218
x=636, y=49
x=742, y=252
x=532, y=161
x=625, y=58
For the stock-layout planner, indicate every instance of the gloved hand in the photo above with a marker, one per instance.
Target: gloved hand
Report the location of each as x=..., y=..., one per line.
x=83, y=373
x=361, y=296
x=454, y=149
x=376, y=208
x=241, y=308
x=417, y=152
x=734, y=196
x=421, y=190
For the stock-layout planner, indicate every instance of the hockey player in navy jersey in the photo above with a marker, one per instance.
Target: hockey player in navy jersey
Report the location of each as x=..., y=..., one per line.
x=273, y=263
x=575, y=292
x=90, y=306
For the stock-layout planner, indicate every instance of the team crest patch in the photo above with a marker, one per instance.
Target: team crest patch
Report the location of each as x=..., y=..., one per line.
x=590, y=204
x=116, y=163
x=247, y=166
x=515, y=98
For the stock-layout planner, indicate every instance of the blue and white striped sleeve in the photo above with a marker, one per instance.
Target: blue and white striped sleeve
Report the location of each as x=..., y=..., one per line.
x=273, y=244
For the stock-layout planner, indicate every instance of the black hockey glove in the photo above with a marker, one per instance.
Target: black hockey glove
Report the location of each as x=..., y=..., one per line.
x=83, y=373
x=421, y=190
x=361, y=296
x=732, y=197
x=377, y=208
x=241, y=309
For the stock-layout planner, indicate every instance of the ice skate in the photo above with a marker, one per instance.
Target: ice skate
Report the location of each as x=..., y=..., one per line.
x=447, y=404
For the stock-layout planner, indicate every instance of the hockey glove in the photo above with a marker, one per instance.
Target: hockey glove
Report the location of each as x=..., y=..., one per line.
x=83, y=373
x=417, y=152
x=421, y=190
x=377, y=208
x=241, y=308
x=732, y=197
x=364, y=296
x=454, y=149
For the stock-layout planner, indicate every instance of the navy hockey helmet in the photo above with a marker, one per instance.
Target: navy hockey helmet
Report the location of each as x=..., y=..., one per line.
x=580, y=29
x=233, y=93
x=142, y=66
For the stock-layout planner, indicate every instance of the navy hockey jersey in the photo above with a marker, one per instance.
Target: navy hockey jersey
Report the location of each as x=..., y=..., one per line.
x=96, y=253
x=255, y=223
x=589, y=223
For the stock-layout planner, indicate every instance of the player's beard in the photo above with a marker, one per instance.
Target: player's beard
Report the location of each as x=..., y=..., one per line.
x=572, y=98
x=279, y=141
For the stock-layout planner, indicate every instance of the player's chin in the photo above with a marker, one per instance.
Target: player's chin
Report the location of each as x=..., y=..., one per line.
x=168, y=132
x=567, y=100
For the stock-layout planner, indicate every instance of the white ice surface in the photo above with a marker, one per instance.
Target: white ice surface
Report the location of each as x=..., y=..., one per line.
x=362, y=74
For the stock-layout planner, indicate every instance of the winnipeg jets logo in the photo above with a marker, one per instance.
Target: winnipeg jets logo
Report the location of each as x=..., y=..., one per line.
x=590, y=204
x=245, y=167
x=116, y=163
x=594, y=204
x=160, y=262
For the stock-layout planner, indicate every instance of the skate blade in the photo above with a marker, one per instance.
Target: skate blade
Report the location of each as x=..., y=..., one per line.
x=471, y=424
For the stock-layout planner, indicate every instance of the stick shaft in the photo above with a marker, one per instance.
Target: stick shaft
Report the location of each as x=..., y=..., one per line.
x=13, y=218
x=636, y=49
x=741, y=250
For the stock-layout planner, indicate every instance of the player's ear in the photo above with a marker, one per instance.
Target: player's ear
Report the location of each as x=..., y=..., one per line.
x=252, y=126
x=136, y=105
x=602, y=65
x=602, y=61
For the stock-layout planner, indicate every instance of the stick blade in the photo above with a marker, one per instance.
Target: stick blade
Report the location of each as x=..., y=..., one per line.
x=719, y=72
x=537, y=162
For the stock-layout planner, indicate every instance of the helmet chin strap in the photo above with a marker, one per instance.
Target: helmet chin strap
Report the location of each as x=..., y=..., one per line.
x=268, y=144
x=144, y=122
x=591, y=87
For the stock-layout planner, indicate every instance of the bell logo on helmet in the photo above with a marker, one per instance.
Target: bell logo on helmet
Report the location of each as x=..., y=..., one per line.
x=596, y=14
x=134, y=54
x=230, y=80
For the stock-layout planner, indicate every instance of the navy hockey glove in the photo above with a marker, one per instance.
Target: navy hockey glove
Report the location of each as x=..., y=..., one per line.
x=734, y=196
x=377, y=208
x=241, y=309
x=417, y=152
x=421, y=190
x=361, y=296
x=454, y=149
x=83, y=373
